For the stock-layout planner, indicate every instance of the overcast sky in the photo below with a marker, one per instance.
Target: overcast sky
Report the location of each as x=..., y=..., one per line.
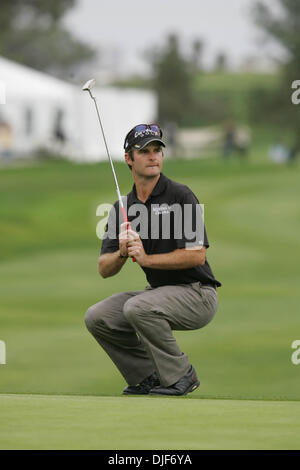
x=124, y=29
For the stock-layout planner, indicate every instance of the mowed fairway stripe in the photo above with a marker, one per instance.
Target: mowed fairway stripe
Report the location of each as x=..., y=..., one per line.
x=124, y=423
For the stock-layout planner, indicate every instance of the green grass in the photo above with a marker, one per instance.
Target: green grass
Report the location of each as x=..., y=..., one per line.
x=238, y=82
x=64, y=422
x=232, y=94
x=217, y=81
x=48, y=278
x=223, y=95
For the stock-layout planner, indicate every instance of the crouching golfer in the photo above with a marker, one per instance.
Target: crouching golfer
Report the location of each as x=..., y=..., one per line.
x=135, y=328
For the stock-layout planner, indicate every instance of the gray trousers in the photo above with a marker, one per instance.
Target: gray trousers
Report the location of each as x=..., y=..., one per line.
x=135, y=328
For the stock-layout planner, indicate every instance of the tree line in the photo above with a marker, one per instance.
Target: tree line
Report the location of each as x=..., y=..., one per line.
x=32, y=33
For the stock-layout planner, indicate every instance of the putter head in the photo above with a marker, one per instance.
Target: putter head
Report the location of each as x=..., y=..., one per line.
x=89, y=85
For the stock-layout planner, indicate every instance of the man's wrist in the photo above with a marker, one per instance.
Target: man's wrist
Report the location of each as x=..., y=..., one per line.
x=147, y=261
x=122, y=256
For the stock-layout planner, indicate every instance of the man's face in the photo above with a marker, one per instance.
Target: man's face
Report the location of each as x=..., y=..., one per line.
x=146, y=162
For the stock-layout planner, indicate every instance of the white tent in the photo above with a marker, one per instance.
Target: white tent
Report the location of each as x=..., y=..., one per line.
x=46, y=113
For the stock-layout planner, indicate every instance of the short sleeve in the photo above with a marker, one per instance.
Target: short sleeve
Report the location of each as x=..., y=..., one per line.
x=110, y=239
x=192, y=223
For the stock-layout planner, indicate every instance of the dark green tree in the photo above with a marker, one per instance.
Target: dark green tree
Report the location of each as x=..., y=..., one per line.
x=173, y=82
x=197, y=52
x=32, y=33
x=221, y=62
x=284, y=28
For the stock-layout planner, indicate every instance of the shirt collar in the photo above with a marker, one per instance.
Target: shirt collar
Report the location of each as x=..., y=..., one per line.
x=158, y=189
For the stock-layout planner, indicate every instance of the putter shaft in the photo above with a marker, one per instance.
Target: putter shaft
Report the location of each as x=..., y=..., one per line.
x=87, y=87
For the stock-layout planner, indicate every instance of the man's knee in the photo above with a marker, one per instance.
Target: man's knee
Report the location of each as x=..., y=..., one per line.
x=89, y=319
x=92, y=316
x=135, y=308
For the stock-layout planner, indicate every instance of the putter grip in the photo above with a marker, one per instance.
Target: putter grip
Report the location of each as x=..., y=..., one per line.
x=128, y=225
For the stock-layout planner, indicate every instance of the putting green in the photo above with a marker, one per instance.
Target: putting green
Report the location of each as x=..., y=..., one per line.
x=124, y=423
x=61, y=391
x=48, y=277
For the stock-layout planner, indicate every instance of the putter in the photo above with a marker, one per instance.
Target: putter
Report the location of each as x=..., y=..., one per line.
x=87, y=87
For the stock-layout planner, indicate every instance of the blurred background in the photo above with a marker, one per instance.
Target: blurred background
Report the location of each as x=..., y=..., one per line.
x=220, y=78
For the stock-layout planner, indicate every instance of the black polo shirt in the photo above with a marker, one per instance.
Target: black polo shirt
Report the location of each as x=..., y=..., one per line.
x=148, y=219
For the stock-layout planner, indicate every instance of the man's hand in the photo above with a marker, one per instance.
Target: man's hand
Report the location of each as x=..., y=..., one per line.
x=135, y=248
x=125, y=236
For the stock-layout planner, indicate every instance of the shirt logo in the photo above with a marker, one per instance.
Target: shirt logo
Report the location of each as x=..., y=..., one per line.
x=145, y=133
x=163, y=209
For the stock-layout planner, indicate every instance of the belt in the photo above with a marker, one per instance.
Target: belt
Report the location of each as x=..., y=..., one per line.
x=209, y=285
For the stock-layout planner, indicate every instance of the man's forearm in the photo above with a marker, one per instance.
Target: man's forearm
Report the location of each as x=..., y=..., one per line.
x=178, y=259
x=110, y=264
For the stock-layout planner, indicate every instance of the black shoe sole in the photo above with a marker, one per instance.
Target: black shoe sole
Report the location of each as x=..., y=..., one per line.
x=189, y=390
x=193, y=387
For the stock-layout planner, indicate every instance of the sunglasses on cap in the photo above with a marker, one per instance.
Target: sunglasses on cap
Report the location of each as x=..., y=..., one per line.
x=141, y=131
x=143, y=127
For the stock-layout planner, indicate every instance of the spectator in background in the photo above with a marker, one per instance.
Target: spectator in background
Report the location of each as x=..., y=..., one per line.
x=293, y=153
x=281, y=153
x=59, y=135
x=171, y=129
x=242, y=141
x=236, y=139
x=278, y=153
x=6, y=140
x=229, y=140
